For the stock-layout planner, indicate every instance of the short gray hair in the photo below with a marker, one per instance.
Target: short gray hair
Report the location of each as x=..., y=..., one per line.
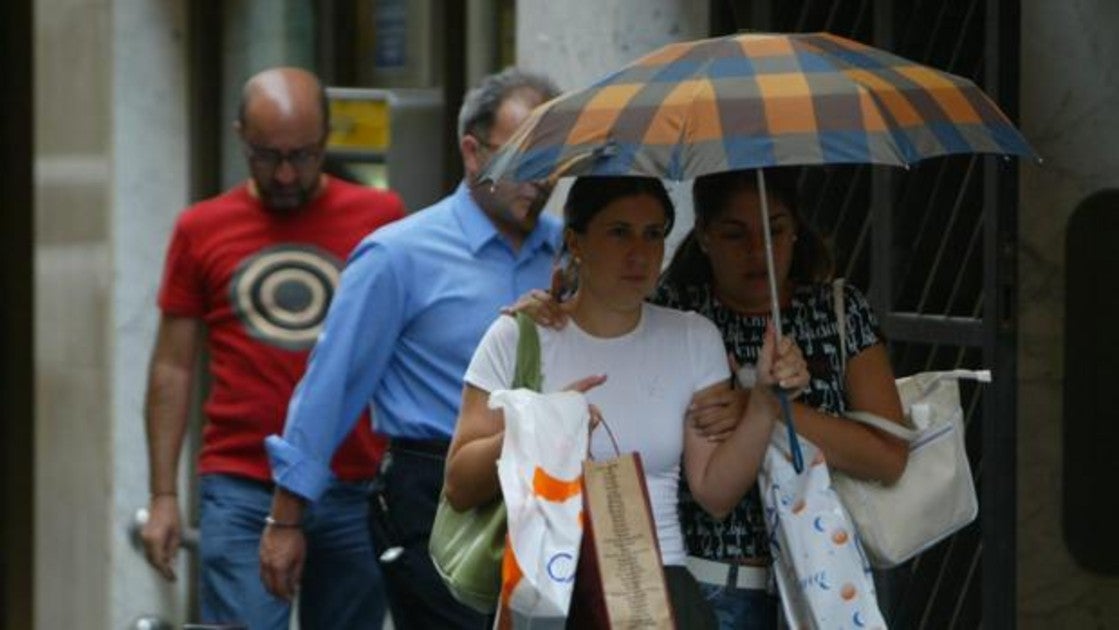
x=479, y=107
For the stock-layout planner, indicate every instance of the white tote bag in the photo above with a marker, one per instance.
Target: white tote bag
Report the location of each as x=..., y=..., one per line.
x=821, y=573
x=935, y=496
x=540, y=471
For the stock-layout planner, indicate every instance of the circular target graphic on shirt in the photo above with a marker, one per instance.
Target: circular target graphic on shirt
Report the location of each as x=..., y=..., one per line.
x=281, y=294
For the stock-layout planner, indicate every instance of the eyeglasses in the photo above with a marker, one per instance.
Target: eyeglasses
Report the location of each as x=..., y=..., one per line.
x=270, y=159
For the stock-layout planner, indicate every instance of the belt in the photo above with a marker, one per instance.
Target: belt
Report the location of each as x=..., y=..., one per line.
x=717, y=573
x=428, y=447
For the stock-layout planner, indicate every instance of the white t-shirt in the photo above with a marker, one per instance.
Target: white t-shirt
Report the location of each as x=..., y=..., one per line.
x=652, y=373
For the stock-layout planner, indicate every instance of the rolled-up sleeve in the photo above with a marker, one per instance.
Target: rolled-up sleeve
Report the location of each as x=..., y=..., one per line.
x=357, y=340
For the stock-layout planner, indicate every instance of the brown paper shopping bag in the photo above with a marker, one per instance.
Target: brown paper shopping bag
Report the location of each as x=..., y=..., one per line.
x=620, y=580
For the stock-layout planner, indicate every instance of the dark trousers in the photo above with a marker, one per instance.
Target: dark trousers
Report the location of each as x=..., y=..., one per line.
x=404, y=499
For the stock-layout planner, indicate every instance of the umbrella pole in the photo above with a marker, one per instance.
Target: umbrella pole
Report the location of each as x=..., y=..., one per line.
x=775, y=307
x=774, y=303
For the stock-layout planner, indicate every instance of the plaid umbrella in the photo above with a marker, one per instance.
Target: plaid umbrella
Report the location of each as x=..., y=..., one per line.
x=756, y=100
x=751, y=101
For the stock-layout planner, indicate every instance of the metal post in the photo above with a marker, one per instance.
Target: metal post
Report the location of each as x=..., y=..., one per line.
x=999, y=482
x=881, y=289
x=17, y=388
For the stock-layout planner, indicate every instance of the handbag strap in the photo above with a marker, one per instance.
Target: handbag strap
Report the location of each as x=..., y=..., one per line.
x=865, y=417
x=884, y=425
x=905, y=433
x=527, y=374
x=870, y=419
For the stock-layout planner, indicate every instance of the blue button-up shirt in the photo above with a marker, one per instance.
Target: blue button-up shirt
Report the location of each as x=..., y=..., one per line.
x=411, y=306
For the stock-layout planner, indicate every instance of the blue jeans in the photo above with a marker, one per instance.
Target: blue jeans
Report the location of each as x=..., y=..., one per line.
x=341, y=585
x=741, y=609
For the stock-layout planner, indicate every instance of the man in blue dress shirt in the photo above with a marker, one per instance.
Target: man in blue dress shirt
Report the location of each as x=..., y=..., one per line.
x=411, y=305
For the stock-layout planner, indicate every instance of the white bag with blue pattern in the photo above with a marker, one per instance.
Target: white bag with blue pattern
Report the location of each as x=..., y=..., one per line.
x=821, y=571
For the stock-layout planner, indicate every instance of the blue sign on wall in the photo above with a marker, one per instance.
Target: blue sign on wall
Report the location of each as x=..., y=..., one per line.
x=390, y=22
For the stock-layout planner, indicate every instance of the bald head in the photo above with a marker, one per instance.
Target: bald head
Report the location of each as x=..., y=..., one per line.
x=289, y=95
x=283, y=122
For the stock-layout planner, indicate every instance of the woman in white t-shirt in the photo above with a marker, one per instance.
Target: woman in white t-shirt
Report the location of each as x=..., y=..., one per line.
x=639, y=364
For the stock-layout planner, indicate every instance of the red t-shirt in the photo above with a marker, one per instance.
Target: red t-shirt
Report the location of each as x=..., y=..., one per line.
x=262, y=283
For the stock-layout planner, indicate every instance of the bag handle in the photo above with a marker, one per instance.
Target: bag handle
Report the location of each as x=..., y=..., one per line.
x=905, y=433
x=527, y=374
x=609, y=433
x=865, y=417
x=884, y=425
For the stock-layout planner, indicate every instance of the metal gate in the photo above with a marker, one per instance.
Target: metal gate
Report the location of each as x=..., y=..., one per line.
x=934, y=248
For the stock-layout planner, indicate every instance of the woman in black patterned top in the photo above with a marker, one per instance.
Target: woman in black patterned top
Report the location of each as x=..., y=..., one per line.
x=720, y=271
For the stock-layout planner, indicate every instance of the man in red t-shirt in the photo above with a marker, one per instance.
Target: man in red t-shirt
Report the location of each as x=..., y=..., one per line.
x=252, y=271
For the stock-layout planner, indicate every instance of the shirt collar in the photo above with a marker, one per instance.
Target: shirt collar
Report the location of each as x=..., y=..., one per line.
x=480, y=230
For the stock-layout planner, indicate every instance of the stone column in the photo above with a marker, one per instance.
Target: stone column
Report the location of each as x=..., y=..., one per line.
x=1069, y=95
x=111, y=174
x=578, y=41
x=258, y=34
x=148, y=187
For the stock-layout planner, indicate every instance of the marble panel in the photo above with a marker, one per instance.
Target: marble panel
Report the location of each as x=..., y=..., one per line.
x=1069, y=93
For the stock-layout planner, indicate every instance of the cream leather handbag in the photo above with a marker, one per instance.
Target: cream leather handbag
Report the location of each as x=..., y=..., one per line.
x=935, y=496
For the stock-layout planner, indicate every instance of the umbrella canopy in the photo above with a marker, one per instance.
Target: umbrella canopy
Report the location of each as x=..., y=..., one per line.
x=751, y=101
x=756, y=100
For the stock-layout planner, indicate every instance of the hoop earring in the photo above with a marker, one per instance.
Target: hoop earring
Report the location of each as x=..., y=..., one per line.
x=571, y=275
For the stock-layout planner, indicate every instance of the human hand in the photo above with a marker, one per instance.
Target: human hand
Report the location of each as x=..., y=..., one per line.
x=586, y=384
x=781, y=363
x=583, y=386
x=715, y=414
x=283, y=550
x=541, y=306
x=162, y=533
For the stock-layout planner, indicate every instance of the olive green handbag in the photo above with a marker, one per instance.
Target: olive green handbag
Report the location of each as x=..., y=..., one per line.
x=467, y=547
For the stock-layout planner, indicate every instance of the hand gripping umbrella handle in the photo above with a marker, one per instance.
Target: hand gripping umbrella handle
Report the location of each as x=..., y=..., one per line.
x=775, y=307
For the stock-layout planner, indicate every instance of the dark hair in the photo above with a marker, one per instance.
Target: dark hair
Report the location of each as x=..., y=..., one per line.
x=590, y=194
x=811, y=260
x=479, y=107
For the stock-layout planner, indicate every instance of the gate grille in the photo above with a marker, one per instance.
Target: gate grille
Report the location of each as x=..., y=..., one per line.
x=932, y=247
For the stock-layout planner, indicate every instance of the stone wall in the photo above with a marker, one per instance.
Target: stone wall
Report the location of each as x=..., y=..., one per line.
x=1069, y=96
